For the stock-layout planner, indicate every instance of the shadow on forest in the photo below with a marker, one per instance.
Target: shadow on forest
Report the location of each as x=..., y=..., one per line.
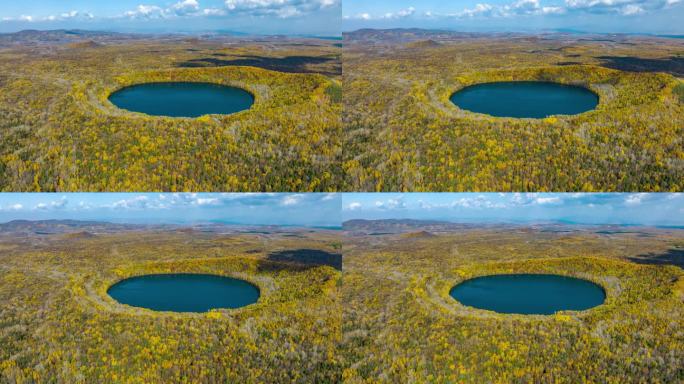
x=674, y=256
x=673, y=65
x=306, y=258
x=290, y=64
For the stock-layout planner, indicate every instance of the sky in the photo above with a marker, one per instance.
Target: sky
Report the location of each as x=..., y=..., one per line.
x=310, y=209
x=290, y=17
x=648, y=209
x=597, y=16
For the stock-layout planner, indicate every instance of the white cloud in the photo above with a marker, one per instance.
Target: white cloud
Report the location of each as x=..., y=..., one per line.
x=479, y=10
x=552, y=10
x=631, y=9
x=292, y=199
x=137, y=202
x=477, y=202
x=25, y=18
x=635, y=199
x=213, y=12
x=12, y=207
x=406, y=12
x=183, y=199
x=70, y=15
x=84, y=206
x=186, y=7
x=517, y=198
x=215, y=205
x=547, y=200
x=526, y=199
x=146, y=12
x=623, y=7
x=397, y=203
x=177, y=200
x=353, y=206
x=403, y=13
x=57, y=204
x=207, y=201
x=521, y=199
x=75, y=15
x=523, y=7
x=517, y=8
x=279, y=8
x=534, y=8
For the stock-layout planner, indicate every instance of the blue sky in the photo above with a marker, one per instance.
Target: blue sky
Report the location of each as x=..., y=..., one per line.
x=310, y=209
x=605, y=16
x=663, y=209
x=314, y=17
x=320, y=209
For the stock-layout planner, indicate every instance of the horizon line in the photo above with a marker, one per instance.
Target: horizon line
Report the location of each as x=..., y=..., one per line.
x=174, y=223
x=179, y=32
x=522, y=222
x=567, y=31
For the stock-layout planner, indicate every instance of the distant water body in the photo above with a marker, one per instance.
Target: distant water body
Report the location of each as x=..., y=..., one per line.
x=184, y=292
x=182, y=99
x=525, y=99
x=529, y=293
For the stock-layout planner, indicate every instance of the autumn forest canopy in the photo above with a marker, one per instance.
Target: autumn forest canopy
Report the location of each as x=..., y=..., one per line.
x=235, y=192
x=388, y=122
x=60, y=131
x=59, y=322
x=403, y=133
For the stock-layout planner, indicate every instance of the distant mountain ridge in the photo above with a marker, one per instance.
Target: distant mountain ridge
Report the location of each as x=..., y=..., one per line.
x=92, y=38
x=414, y=35
x=400, y=226
x=81, y=228
x=396, y=226
x=62, y=226
x=56, y=35
x=406, y=35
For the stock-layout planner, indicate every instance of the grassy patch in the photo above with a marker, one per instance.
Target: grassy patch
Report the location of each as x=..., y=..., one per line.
x=679, y=91
x=334, y=92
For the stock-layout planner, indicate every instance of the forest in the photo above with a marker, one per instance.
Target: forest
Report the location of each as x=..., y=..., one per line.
x=59, y=132
x=59, y=325
x=400, y=324
x=402, y=133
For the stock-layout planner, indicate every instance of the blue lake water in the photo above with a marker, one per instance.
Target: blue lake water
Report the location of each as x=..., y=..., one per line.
x=529, y=293
x=184, y=292
x=525, y=99
x=182, y=99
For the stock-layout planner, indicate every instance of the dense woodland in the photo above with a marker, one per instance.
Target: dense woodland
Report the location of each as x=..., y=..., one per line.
x=58, y=325
x=393, y=129
x=403, y=134
x=400, y=324
x=59, y=132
